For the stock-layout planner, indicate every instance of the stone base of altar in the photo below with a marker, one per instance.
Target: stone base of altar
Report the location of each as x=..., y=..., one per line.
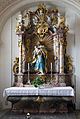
x=40, y=100
x=41, y=111
x=50, y=106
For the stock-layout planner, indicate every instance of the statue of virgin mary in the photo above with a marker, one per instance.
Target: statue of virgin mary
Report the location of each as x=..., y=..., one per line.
x=39, y=59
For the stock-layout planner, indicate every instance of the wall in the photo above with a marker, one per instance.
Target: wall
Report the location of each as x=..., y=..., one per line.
x=9, y=50
x=14, y=43
x=77, y=55
x=5, y=57
x=73, y=49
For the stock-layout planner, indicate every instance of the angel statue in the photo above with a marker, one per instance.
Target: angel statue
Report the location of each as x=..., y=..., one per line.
x=39, y=59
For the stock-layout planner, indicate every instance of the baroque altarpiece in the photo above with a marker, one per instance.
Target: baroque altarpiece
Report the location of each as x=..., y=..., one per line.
x=42, y=47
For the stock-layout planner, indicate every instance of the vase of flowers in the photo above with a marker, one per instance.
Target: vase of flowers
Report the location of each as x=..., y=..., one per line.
x=37, y=82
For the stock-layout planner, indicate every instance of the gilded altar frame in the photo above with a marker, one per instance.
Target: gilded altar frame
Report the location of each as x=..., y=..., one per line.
x=48, y=27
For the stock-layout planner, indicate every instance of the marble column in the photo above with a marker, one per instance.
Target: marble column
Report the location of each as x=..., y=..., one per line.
x=61, y=56
x=20, y=75
x=56, y=53
x=24, y=59
x=20, y=33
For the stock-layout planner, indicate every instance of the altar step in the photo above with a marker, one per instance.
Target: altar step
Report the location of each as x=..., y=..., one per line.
x=40, y=111
x=12, y=115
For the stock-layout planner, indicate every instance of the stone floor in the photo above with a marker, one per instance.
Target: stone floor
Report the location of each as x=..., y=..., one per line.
x=7, y=114
x=77, y=113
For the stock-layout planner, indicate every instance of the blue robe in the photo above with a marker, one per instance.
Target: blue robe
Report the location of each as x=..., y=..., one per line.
x=40, y=62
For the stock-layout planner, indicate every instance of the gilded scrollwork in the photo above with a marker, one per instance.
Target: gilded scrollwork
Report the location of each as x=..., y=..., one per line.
x=41, y=30
x=16, y=65
x=28, y=50
x=42, y=15
x=68, y=63
x=28, y=13
x=20, y=23
x=19, y=43
x=48, y=27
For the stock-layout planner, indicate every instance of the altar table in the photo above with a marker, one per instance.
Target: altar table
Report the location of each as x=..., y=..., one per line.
x=32, y=91
x=56, y=99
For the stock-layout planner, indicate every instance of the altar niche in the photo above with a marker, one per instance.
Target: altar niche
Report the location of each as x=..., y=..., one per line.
x=42, y=47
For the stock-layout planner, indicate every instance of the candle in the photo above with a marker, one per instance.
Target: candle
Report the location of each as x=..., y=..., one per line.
x=51, y=73
x=51, y=66
x=28, y=74
x=28, y=67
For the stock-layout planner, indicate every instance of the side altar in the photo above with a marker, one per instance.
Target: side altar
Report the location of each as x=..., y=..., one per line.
x=42, y=60
x=42, y=47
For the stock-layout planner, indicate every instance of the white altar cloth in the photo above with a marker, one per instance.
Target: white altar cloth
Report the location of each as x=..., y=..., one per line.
x=32, y=91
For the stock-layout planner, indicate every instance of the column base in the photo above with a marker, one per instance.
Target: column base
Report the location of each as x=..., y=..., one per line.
x=62, y=79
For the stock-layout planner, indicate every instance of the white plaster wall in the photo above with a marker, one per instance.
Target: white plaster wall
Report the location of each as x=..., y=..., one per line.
x=73, y=48
x=14, y=43
x=77, y=55
x=70, y=21
x=9, y=50
x=5, y=58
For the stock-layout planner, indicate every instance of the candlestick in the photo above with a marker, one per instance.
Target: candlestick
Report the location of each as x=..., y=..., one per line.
x=28, y=67
x=51, y=71
x=28, y=74
x=51, y=66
